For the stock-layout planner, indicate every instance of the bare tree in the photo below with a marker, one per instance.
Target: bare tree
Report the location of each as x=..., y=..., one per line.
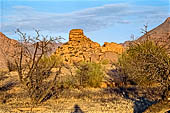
x=34, y=65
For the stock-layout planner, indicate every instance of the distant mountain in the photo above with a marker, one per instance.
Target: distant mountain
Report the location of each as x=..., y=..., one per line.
x=160, y=34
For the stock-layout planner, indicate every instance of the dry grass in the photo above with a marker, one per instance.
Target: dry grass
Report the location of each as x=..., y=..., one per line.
x=92, y=100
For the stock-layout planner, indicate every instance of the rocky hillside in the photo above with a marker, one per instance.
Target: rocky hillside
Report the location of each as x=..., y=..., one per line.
x=160, y=34
x=81, y=48
x=8, y=48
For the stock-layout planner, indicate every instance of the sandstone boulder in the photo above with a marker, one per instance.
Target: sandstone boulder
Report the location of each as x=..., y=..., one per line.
x=117, y=48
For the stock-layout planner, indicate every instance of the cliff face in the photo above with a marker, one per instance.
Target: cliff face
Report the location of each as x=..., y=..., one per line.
x=81, y=48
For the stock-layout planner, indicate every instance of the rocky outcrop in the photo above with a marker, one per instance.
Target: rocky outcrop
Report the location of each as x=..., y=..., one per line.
x=117, y=48
x=80, y=48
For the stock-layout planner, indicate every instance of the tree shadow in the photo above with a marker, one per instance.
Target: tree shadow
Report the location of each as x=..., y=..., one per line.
x=168, y=111
x=4, y=95
x=77, y=109
x=141, y=101
x=8, y=86
x=53, y=93
x=141, y=104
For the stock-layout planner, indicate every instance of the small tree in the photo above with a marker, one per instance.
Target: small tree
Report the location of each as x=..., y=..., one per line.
x=147, y=63
x=34, y=65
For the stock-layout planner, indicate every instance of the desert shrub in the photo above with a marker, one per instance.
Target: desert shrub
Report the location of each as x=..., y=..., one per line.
x=146, y=63
x=89, y=74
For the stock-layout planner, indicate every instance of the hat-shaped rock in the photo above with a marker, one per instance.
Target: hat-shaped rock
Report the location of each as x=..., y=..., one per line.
x=76, y=34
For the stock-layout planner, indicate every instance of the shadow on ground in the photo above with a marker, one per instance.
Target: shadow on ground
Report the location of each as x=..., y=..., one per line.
x=77, y=109
x=7, y=86
x=141, y=103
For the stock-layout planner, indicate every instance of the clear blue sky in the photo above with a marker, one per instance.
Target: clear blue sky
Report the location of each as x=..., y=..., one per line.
x=101, y=20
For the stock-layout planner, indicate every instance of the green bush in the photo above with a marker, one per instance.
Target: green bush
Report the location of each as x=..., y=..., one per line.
x=89, y=74
x=146, y=63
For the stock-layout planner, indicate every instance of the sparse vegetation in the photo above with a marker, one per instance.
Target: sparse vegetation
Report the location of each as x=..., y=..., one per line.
x=86, y=74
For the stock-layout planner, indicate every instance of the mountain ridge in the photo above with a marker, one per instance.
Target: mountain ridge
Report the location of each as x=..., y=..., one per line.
x=159, y=34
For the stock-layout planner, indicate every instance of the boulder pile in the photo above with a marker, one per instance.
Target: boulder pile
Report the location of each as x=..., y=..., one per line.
x=81, y=48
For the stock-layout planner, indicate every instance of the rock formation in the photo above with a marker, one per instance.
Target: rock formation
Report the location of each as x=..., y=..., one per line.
x=81, y=48
x=117, y=48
